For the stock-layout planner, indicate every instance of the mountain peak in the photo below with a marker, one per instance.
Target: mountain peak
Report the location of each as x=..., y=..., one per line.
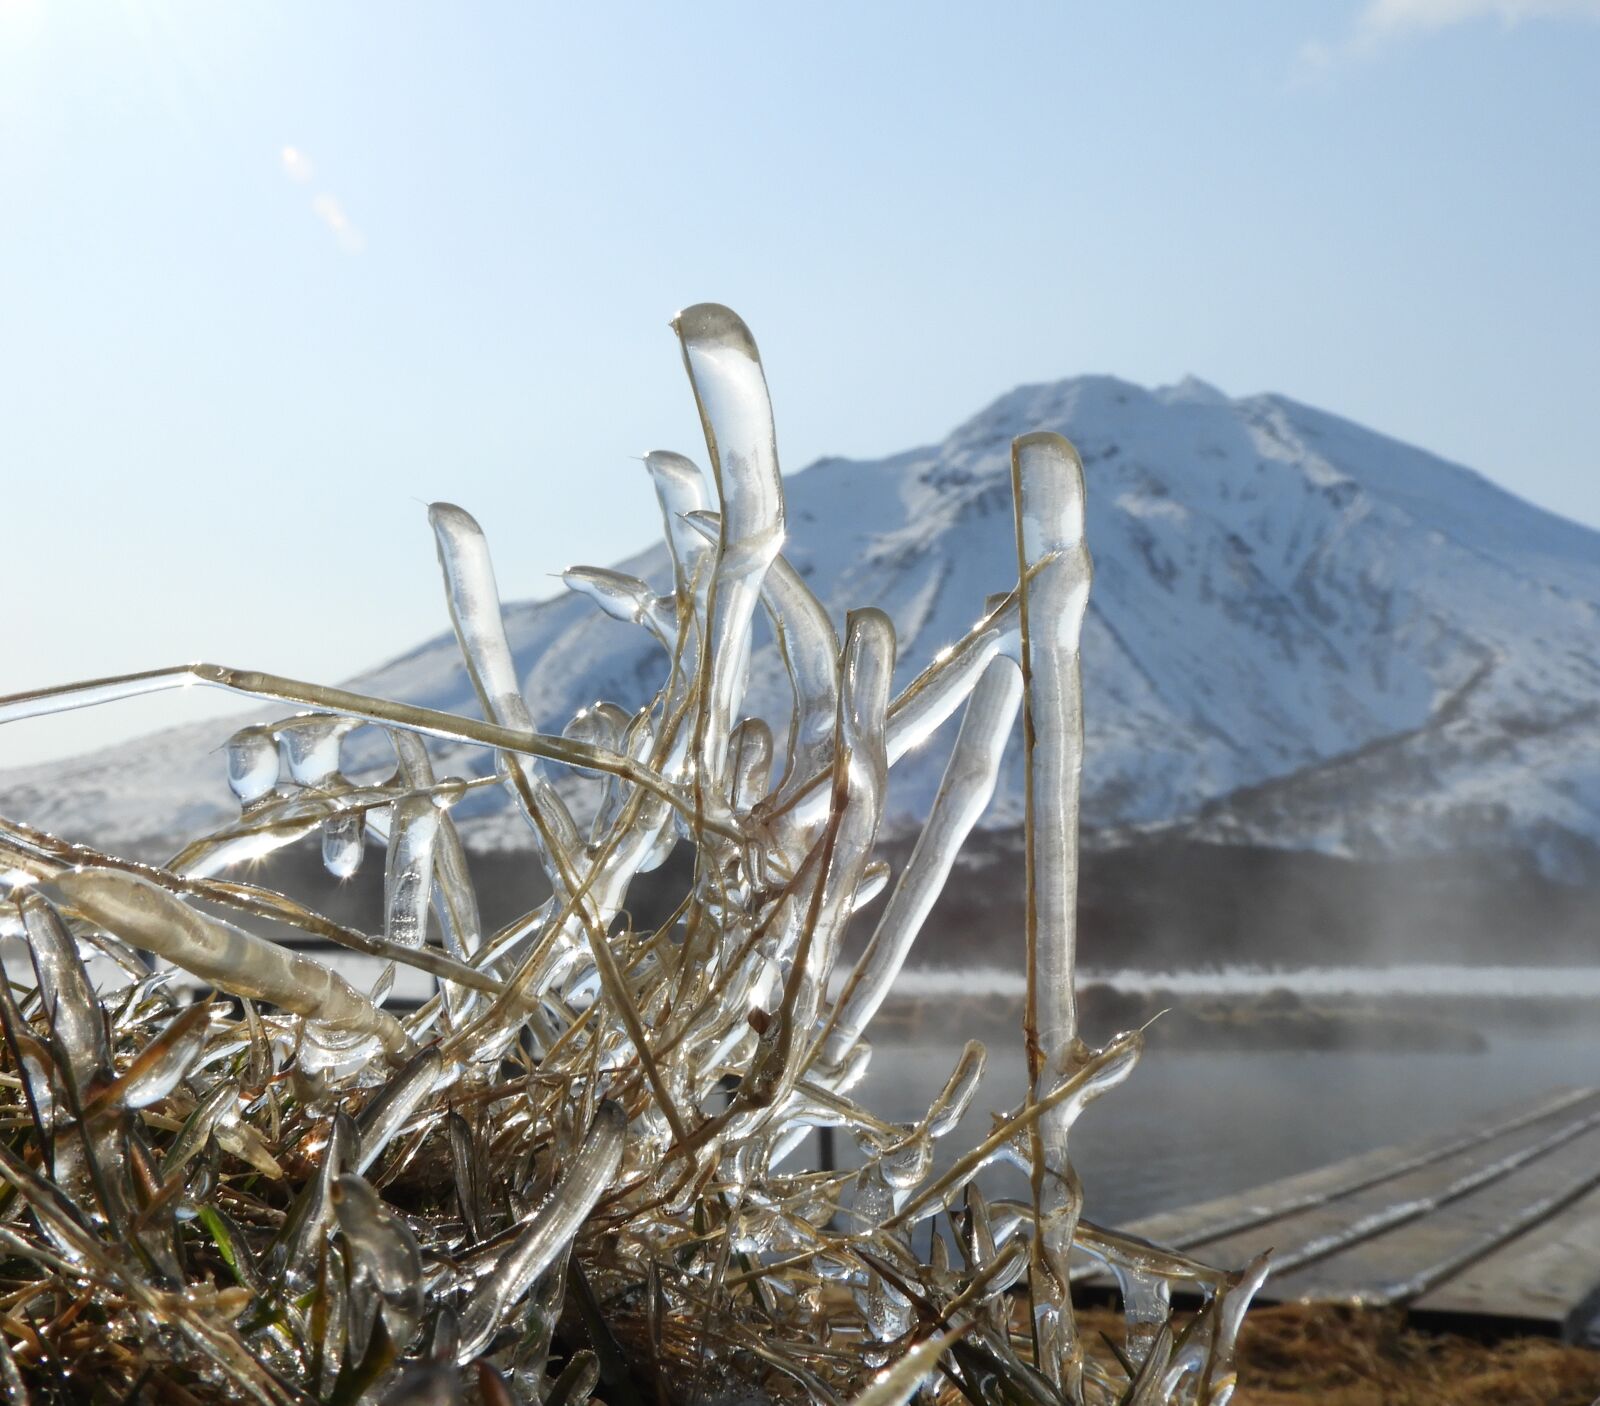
x=1302, y=634
x=1050, y=404
x=1192, y=390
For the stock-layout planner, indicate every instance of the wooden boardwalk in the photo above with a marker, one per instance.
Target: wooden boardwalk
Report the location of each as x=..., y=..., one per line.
x=1493, y=1226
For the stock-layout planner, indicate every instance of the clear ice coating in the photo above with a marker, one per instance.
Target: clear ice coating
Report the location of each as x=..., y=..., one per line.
x=578, y=1164
x=1052, y=594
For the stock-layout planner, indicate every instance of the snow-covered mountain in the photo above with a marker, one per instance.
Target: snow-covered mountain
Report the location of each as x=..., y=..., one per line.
x=1302, y=634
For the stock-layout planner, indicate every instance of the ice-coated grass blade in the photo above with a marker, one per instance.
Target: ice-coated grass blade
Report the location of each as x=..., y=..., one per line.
x=548, y=1231
x=963, y=796
x=66, y=992
x=429, y=722
x=680, y=490
x=408, y=875
x=894, y=1385
x=730, y=389
x=46, y=856
x=810, y=648
x=475, y=612
x=381, y=1119
x=1047, y=478
x=1053, y=592
x=224, y=956
x=454, y=897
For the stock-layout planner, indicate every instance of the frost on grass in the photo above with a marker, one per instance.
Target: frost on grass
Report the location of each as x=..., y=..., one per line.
x=574, y=1170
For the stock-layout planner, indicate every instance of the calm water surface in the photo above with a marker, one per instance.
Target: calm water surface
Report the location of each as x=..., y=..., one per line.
x=1190, y=1125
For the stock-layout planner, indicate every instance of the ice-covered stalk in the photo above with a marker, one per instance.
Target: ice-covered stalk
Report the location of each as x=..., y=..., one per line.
x=810, y=648
x=860, y=773
x=382, y=1118
x=454, y=897
x=920, y=710
x=680, y=490
x=428, y=722
x=548, y=1231
x=964, y=794
x=1232, y=1301
x=1047, y=478
x=730, y=389
x=808, y=940
x=381, y=1244
x=930, y=699
x=475, y=611
x=408, y=874
x=68, y=996
x=625, y=598
x=146, y=915
x=1053, y=593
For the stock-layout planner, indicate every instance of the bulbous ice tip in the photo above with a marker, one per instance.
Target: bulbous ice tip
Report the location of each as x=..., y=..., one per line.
x=1051, y=453
x=665, y=467
x=869, y=655
x=447, y=516
x=869, y=623
x=1048, y=475
x=711, y=326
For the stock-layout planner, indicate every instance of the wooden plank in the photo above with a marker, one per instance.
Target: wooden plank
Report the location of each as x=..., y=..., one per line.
x=1549, y=1274
x=1225, y=1215
x=1412, y=1257
x=1331, y=1225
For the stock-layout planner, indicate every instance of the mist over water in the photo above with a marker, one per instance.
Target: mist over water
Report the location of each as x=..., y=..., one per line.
x=1413, y=979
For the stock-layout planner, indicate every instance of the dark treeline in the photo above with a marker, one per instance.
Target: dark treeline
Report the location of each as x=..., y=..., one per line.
x=1161, y=904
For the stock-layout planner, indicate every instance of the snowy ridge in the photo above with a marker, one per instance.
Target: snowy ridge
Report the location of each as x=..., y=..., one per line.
x=1301, y=634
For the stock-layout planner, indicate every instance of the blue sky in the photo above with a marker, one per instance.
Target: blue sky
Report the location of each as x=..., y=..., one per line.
x=271, y=277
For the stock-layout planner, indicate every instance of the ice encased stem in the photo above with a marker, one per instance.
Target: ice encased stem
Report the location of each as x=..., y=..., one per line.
x=408, y=874
x=1048, y=482
x=1053, y=593
x=480, y=629
x=548, y=1231
x=142, y=913
x=964, y=794
x=730, y=389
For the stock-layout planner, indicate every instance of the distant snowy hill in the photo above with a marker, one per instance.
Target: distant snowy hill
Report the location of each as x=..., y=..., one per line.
x=1302, y=634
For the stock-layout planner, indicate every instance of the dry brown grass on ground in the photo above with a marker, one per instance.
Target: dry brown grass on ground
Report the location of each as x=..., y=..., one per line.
x=1337, y=1356
x=1353, y=1357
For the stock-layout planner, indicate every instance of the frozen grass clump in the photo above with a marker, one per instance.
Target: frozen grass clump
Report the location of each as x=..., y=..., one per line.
x=572, y=1172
